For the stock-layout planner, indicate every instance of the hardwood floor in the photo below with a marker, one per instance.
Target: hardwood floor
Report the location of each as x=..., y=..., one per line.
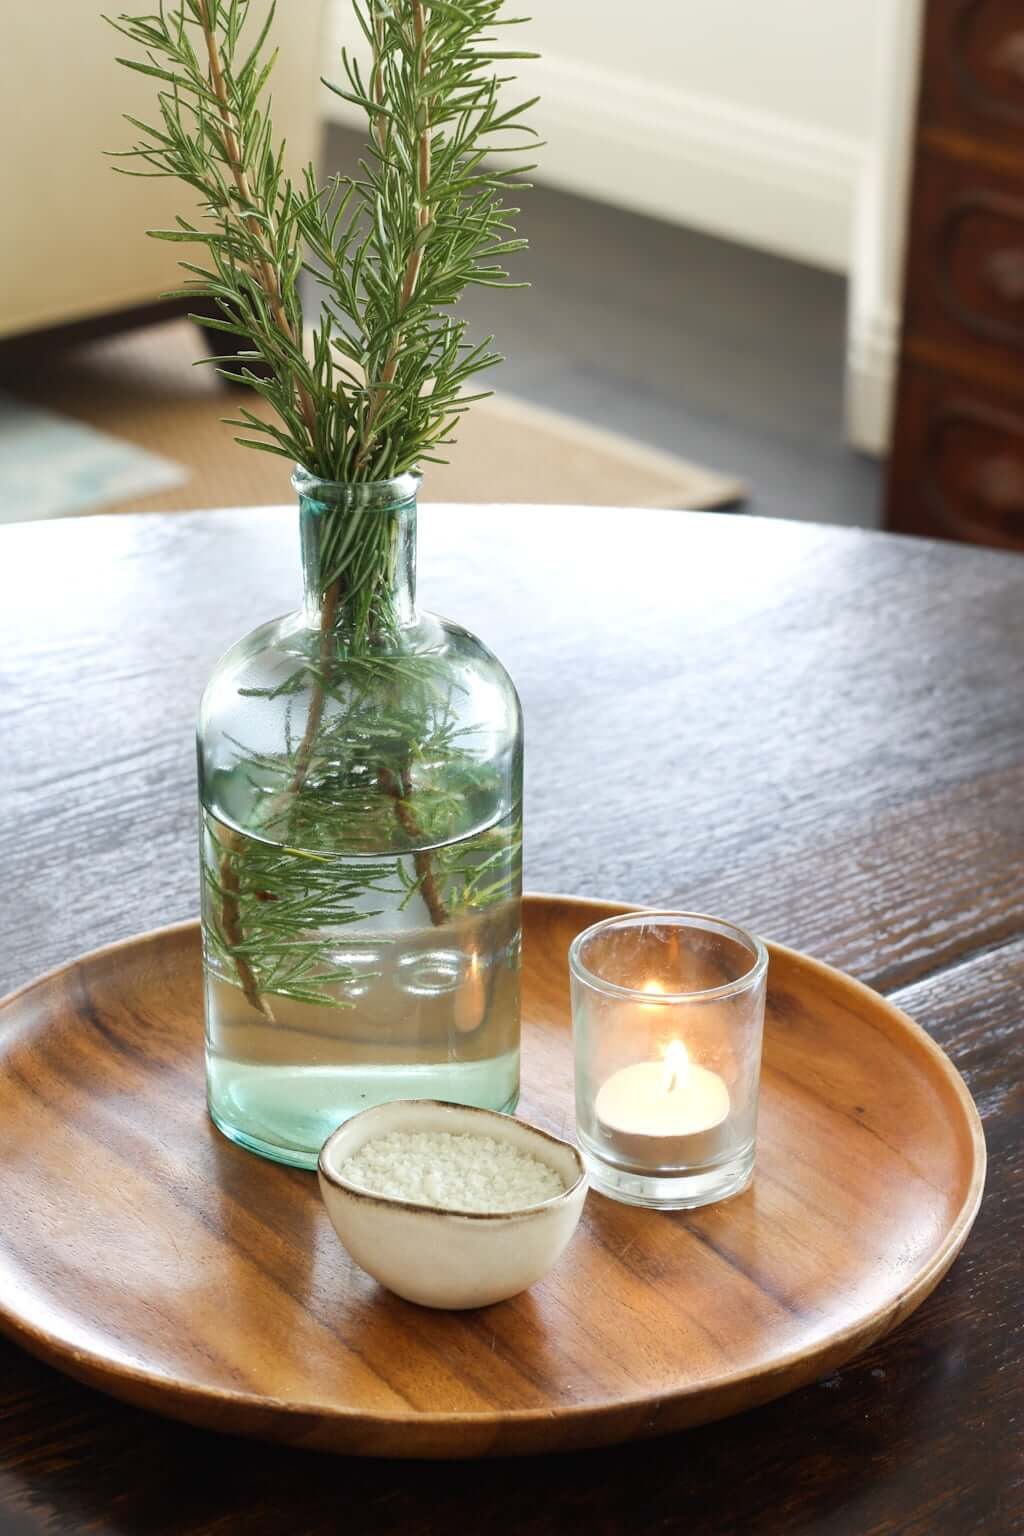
x=704, y=348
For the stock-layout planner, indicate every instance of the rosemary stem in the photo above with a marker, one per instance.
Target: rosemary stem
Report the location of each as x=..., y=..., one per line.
x=422, y=862
x=266, y=274
x=231, y=921
x=414, y=261
x=317, y=697
x=400, y=793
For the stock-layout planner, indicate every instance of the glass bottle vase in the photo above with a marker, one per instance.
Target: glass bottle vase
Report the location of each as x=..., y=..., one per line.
x=360, y=782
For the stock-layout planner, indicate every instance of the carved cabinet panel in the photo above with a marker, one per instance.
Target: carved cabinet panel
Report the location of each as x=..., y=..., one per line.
x=958, y=466
x=957, y=463
x=973, y=76
x=966, y=286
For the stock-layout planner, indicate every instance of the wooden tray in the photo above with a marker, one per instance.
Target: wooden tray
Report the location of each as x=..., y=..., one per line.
x=144, y=1254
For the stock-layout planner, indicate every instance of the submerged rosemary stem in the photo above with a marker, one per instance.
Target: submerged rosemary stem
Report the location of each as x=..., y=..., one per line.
x=399, y=789
x=231, y=922
x=422, y=862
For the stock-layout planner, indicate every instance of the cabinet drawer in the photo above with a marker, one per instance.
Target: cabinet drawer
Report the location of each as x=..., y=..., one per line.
x=957, y=469
x=972, y=78
x=965, y=270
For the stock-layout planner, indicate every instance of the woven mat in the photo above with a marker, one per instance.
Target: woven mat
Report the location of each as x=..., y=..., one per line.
x=142, y=387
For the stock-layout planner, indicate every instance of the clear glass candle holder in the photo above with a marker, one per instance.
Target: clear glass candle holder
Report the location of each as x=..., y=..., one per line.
x=668, y=1016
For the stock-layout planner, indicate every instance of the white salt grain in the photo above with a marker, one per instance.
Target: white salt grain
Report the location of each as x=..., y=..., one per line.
x=459, y=1172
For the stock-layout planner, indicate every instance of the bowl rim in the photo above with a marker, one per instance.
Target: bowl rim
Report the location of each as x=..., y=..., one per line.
x=422, y=1208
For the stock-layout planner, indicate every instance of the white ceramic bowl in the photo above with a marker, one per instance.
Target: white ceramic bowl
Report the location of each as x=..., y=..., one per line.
x=450, y=1259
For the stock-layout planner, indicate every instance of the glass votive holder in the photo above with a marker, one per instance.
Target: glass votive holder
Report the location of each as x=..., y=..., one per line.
x=668, y=1015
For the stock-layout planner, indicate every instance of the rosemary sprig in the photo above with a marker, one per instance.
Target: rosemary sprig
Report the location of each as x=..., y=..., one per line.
x=381, y=390
x=392, y=249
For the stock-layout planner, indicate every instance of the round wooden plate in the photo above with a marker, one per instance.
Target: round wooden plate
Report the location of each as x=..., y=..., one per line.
x=144, y=1254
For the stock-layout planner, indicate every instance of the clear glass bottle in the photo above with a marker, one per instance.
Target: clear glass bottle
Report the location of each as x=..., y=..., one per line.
x=360, y=780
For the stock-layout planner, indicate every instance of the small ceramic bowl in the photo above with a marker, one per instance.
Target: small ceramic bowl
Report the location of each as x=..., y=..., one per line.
x=441, y=1258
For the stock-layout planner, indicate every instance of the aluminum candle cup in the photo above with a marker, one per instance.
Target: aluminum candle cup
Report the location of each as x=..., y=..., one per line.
x=668, y=1015
x=659, y=1112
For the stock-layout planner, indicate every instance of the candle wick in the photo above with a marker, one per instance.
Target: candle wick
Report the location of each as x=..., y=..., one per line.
x=672, y=1081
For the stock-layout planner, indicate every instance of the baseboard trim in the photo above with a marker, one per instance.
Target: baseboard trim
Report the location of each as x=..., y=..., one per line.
x=775, y=183
x=872, y=359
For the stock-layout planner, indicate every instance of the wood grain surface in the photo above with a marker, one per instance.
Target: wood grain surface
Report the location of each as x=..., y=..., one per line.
x=815, y=732
x=144, y=1255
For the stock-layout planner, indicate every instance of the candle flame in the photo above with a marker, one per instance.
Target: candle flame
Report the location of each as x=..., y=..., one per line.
x=676, y=1062
x=652, y=986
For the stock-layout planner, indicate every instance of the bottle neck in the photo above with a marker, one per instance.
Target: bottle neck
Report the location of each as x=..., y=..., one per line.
x=358, y=556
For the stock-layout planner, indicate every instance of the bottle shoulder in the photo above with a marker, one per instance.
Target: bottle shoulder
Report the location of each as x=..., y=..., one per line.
x=285, y=729
x=289, y=648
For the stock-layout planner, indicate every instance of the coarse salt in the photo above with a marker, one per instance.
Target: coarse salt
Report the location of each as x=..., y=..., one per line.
x=457, y=1172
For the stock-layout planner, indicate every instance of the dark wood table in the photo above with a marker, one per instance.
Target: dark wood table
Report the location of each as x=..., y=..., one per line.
x=817, y=732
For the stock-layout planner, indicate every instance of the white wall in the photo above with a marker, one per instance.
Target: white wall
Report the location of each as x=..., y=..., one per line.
x=746, y=118
x=782, y=124
x=807, y=60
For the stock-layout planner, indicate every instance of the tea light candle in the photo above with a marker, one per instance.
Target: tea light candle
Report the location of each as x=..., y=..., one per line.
x=664, y=1113
x=667, y=1014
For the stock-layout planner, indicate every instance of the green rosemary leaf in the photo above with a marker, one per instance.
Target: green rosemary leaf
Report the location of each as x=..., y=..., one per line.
x=392, y=249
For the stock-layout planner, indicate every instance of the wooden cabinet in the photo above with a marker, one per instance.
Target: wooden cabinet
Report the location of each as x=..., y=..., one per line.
x=957, y=464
